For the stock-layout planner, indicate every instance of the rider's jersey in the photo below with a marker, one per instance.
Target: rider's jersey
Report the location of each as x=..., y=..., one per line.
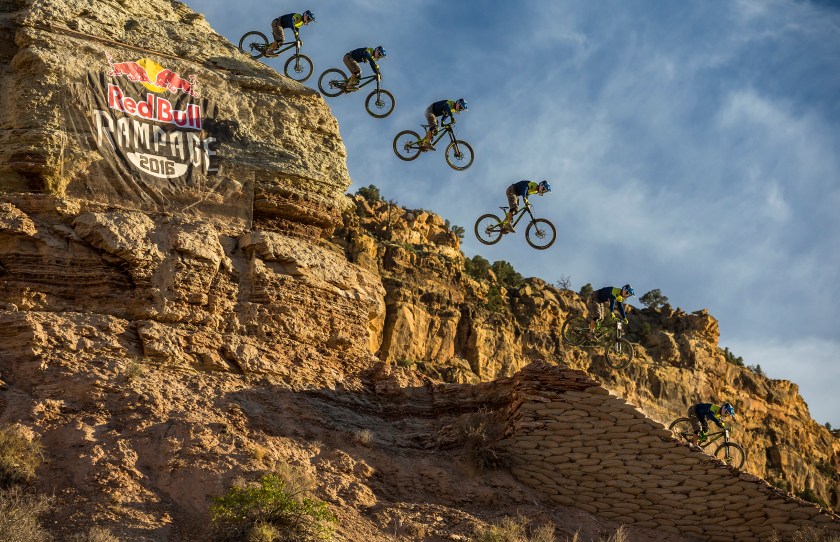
x=709, y=412
x=613, y=295
x=292, y=21
x=443, y=108
x=365, y=55
x=525, y=188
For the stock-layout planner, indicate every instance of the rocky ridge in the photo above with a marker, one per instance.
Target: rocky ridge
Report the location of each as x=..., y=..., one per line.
x=162, y=348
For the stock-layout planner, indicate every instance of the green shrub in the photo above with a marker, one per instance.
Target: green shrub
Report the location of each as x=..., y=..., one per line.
x=653, y=299
x=495, y=302
x=19, y=516
x=506, y=274
x=507, y=529
x=370, y=193
x=731, y=358
x=263, y=532
x=279, y=499
x=809, y=495
x=476, y=267
x=20, y=457
x=586, y=290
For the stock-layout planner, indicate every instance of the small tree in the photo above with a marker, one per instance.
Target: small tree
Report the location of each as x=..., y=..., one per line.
x=458, y=230
x=564, y=282
x=476, y=267
x=370, y=193
x=586, y=290
x=506, y=274
x=653, y=299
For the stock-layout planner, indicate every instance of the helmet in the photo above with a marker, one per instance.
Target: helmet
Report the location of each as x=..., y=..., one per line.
x=727, y=408
x=308, y=16
x=379, y=52
x=545, y=186
x=461, y=104
x=629, y=289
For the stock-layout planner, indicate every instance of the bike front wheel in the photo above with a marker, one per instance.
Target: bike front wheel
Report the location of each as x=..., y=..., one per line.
x=618, y=353
x=488, y=229
x=380, y=103
x=253, y=43
x=332, y=82
x=732, y=454
x=540, y=233
x=407, y=145
x=575, y=330
x=298, y=67
x=459, y=155
x=683, y=430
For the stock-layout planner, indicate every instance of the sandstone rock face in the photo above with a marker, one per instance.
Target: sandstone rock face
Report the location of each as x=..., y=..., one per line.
x=445, y=321
x=163, y=338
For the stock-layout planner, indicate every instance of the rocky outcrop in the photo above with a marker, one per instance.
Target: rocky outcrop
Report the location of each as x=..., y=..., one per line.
x=573, y=440
x=448, y=324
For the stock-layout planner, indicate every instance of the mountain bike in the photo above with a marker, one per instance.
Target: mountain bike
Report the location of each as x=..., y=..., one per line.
x=618, y=351
x=379, y=103
x=728, y=452
x=298, y=67
x=459, y=154
x=540, y=233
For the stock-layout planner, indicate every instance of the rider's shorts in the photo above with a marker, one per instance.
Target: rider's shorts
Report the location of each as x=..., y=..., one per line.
x=513, y=199
x=696, y=423
x=595, y=307
x=352, y=65
x=431, y=119
x=277, y=30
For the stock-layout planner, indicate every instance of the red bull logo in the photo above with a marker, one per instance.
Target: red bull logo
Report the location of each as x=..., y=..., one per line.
x=153, y=76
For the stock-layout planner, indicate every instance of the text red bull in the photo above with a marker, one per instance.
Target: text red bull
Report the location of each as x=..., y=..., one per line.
x=154, y=108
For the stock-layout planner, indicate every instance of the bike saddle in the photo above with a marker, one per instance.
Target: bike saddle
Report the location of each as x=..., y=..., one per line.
x=503, y=208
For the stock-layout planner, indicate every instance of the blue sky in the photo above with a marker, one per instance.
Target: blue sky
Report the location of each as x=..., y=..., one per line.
x=692, y=146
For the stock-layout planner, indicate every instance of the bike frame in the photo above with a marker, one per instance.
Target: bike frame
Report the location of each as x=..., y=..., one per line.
x=518, y=215
x=283, y=49
x=714, y=437
x=446, y=129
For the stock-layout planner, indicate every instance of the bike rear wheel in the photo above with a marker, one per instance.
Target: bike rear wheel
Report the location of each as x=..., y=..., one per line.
x=575, y=330
x=459, y=155
x=253, y=43
x=332, y=82
x=407, y=145
x=683, y=430
x=618, y=353
x=488, y=230
x=732, y=454
x=540, y=233
x=380, y=104
x=298, y=67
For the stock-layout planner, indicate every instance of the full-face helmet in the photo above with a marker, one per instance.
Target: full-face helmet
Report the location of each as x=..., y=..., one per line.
x=379, y=52
x=461, y=104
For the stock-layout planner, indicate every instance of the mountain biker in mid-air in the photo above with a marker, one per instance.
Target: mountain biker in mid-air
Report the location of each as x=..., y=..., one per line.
x=524, y=189
x=442, y=109
x=616, y=298
x=365, y=55
x=292, y=21
x=699, y=413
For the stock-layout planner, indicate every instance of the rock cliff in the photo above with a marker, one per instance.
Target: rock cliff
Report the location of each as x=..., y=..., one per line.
x=187, y=296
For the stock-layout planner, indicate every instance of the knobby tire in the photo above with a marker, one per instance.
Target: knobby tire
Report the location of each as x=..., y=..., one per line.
x=407, y=145
x=332, y=74
x=465, y=160
x=682, y=429
x=575, y=330
x=540, y=234
x=618, y=353
x=385, y=105
x=256, y=38
x=301, y=71
x=736, y=453
x=487, y=229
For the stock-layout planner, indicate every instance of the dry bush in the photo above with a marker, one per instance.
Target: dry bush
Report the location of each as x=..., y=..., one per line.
x=479, y=432
x=263, y=532
x=95, y=534
x=19, y=513
x=363, y=437
x=810, y=534
x=20, y=456
x=619, y=536
x=544, y=533
x=507, y=529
